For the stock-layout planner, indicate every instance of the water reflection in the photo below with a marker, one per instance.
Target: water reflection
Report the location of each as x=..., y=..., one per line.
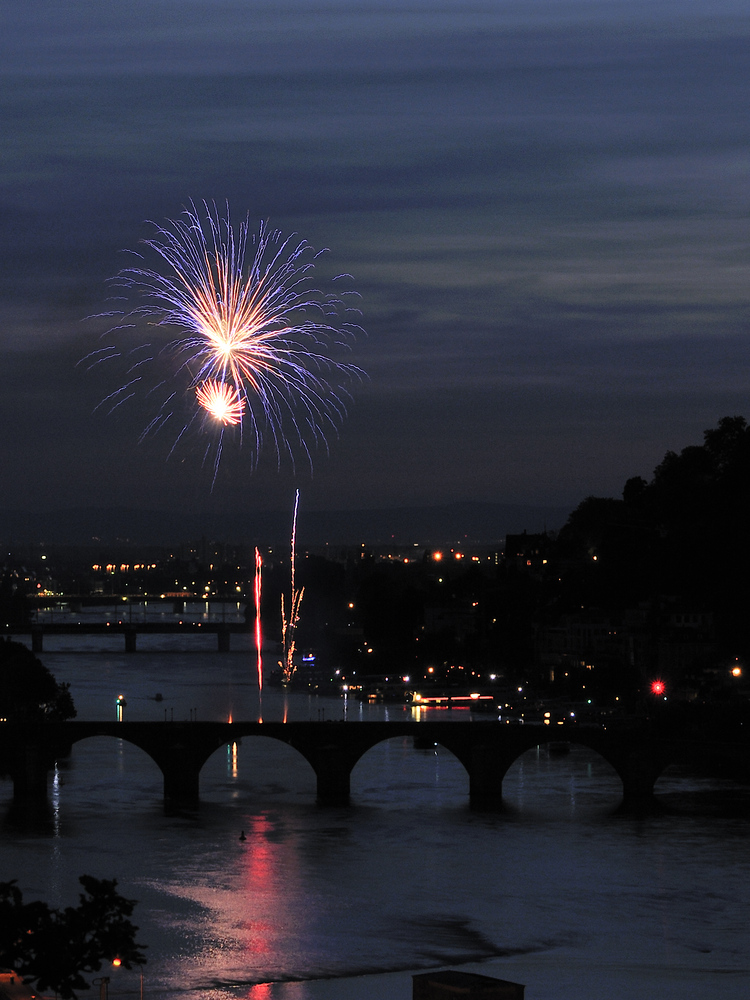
x=232, y=769
x=547, y=782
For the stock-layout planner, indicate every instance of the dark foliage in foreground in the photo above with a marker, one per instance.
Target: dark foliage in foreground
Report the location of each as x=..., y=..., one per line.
x=55, y=948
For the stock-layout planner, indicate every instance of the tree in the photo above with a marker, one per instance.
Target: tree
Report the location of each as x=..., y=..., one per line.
x=15, y=609
x=683, y=536
x=28, y=691
x=55, y=948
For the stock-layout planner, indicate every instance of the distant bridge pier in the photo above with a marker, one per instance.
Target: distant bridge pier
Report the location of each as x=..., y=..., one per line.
x=223, y=638
x=131, y=636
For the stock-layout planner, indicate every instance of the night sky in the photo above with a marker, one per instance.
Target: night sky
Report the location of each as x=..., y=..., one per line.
x=543, y=203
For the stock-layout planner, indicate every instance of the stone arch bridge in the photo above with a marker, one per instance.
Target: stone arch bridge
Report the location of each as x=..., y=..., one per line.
x=486, y=750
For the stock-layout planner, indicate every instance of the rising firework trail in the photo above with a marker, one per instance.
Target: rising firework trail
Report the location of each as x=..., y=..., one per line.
x=290, y=613
x=252, y=346
x=258, y=630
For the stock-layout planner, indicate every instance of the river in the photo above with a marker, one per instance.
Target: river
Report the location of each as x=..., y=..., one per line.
x=560, y=893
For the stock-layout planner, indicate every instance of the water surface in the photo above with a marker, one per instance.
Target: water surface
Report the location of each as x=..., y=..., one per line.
x=559, y=892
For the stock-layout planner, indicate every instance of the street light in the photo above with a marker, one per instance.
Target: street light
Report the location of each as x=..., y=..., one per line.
x=120, y=704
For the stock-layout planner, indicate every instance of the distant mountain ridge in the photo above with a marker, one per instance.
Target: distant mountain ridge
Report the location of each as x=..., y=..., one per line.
x=448, y=523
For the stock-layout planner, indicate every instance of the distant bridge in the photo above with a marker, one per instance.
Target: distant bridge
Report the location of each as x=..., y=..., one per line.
x=131, y=629
x=485, y=749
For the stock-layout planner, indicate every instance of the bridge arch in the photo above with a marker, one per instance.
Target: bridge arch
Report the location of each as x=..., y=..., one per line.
x=396, y=768
x=257, y=765
x=118, y=762
x=562, y=778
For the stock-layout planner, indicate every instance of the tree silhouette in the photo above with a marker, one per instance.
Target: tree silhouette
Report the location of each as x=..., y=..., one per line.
x=28, y=691
x=55, y=948
x=685, y=535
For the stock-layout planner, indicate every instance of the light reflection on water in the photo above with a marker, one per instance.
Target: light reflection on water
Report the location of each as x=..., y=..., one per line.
x=559, y=892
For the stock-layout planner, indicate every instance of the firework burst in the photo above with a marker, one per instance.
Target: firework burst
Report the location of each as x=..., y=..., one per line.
x=221, y=401
x=256, y=344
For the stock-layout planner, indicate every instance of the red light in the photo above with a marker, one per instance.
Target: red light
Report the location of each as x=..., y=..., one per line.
x=658, y=687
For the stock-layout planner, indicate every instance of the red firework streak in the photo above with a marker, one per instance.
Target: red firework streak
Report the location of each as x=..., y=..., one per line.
x=258, y=633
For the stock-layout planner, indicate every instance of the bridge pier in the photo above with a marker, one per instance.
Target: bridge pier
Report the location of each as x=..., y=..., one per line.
x=181, y=785
x=29, y=770
x=487, y=767
x=639, y=769
x=333, y=772
x=37, y=639
x=223, y=639
x=638, y=791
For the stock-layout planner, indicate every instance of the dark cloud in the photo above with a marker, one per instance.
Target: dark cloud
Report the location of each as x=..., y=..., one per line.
x=546, y=214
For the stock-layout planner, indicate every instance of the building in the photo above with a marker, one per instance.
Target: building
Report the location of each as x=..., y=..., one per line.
x=12, y=986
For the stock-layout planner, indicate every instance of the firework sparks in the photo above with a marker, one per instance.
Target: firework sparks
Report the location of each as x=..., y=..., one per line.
x=256, y=345
x=221, y=401
x=290, y=620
